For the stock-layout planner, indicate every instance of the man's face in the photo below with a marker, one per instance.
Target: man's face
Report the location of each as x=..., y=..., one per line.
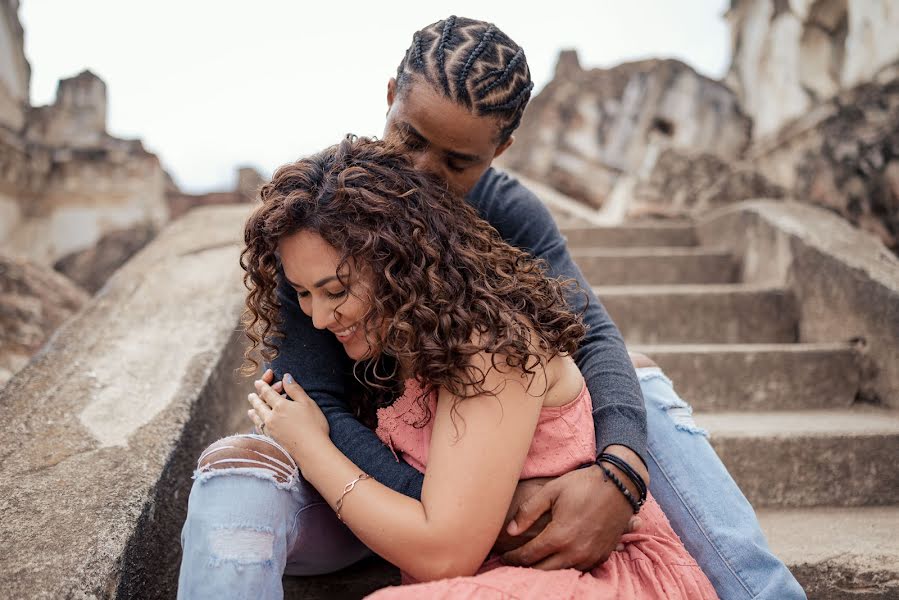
x=444, y=138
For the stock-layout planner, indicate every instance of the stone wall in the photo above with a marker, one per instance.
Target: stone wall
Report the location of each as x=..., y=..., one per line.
x=844, y=156
x=34, y=301
x=77, y=119
x=588, y=127
x=15, y=72
x=789, y=55
x=64, y=181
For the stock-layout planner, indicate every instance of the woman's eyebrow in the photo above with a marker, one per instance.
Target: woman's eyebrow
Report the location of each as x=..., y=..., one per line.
x=322, y=282
x=318, y=284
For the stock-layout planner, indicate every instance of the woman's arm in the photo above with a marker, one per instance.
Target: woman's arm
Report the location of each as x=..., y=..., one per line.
x=475, y=459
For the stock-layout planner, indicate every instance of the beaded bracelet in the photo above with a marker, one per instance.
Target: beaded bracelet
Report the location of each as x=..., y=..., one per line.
x=625, y=467
x=635, y=504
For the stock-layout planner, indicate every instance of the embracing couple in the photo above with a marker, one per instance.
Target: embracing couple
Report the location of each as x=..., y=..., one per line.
x=443, y=389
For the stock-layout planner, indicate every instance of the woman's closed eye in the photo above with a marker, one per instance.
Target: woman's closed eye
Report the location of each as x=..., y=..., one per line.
x=332, y=295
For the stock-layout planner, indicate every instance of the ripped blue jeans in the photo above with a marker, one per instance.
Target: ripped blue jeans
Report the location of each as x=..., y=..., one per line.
x=252, y=520
x=703, y=503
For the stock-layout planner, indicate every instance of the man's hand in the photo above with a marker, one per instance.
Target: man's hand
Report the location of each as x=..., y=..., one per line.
x=588, y=517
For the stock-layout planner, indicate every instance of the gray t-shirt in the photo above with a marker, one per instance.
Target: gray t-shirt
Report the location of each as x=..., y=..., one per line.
x=317, y=361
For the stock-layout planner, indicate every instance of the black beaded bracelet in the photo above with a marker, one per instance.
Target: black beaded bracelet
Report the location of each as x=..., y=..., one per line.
x=627, y=469
x=635, y=504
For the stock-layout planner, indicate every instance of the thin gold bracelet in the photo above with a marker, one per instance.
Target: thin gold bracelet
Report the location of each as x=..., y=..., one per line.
x=346, y=490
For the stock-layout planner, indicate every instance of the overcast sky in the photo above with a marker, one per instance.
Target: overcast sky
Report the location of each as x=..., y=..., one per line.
x=212, y=84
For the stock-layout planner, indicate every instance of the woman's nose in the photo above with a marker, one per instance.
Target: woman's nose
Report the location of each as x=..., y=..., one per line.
x=322, y=316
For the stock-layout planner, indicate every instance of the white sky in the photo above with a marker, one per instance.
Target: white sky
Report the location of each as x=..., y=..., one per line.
x=212, y=84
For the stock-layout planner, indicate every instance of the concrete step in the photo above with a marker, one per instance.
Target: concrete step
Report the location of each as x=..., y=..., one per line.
x=352, y=583
x=838, y=553
x=761, y=377
x=810, y=458
x=655, y=266
x=629, y=236
x=702, y=314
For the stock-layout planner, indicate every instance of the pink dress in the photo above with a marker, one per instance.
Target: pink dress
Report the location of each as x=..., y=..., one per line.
x=653, y=564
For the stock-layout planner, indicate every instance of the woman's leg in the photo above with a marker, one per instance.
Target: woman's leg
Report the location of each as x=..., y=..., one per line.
x=251, y=518
x=704, y=504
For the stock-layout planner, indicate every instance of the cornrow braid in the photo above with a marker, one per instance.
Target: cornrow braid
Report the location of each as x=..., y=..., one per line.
x=477, y=66
x=504, y=75
x=513, y=101
x=473, y=55
x=441, y=52
x=416, y=45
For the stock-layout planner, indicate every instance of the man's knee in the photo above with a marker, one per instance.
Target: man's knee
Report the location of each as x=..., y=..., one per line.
x=242, y=451
x=641, y=360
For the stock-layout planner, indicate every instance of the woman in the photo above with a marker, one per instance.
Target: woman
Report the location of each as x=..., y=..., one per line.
x=421, y=292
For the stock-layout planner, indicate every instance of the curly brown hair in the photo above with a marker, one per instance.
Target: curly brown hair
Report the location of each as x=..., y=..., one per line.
x=445, y=286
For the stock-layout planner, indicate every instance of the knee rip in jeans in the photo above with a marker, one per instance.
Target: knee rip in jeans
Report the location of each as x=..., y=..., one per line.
x=242, y=545
x=248, y=454
x=679, y=411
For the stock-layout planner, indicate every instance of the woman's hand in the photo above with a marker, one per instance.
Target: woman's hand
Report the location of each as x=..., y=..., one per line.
x=292, y=421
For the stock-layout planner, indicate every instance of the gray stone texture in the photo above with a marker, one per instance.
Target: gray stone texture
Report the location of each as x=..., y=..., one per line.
x=103, y=427
x=587, y=127
x=845, y=281
x=34, y=301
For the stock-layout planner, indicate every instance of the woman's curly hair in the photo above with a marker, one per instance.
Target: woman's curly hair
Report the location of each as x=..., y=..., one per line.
x=445, y=286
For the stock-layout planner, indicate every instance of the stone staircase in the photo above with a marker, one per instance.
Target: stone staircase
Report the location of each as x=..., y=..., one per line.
x=818, y=467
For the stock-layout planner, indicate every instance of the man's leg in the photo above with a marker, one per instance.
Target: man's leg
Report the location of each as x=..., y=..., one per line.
x=703, y=503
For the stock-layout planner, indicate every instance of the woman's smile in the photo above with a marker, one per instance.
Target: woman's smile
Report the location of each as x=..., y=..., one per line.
x=345, y=335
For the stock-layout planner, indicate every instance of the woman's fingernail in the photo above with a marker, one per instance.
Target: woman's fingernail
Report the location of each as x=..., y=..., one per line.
x=288, y=378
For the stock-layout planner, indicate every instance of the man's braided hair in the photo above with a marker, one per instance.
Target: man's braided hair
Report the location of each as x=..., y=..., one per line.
x=474, y=64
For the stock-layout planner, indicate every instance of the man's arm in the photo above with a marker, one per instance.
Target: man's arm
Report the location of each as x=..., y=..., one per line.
x=317, y=361
x=522, y=220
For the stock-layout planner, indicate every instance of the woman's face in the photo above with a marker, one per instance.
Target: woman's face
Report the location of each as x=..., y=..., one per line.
x=310, y=265
x=444, y=138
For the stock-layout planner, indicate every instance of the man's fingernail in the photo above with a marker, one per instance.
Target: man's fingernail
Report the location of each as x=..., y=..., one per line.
x=288, y=378
x=512, y=528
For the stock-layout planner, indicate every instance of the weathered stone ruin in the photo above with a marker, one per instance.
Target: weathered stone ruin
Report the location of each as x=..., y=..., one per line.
x=72, y=197
x=587, y=128
x=812, y=85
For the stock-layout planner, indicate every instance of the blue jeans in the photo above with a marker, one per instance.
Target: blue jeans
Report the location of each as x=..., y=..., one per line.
x=245, y=529
x=703, y=503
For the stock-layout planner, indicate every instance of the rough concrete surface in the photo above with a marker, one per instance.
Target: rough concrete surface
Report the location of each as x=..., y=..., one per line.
x=101, y=429
x=749, y=377
x=810, y=458
x=701, y=314
x=656, y=266
x=663, y=233
x=838, y=553
x=845, y=280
